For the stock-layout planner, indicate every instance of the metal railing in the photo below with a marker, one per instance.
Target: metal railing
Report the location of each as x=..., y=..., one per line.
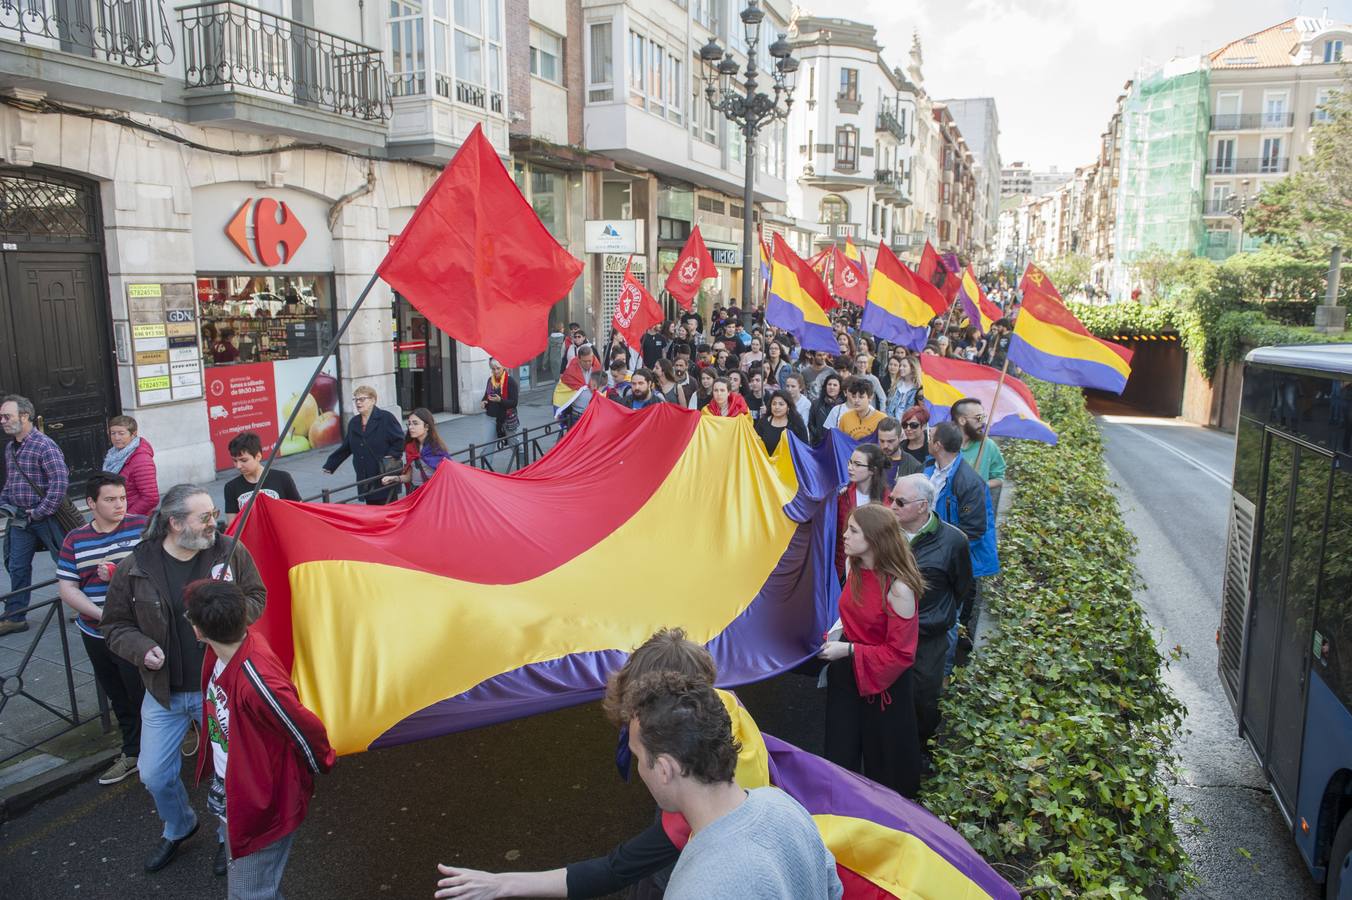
x=888, y=122
x=1246, y=121
x=132, y=33
x=232, y=45
x=12, y=685
x=1249, y=165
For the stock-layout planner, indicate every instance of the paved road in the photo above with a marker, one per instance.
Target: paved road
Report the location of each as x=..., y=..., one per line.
x=1174, y=487
x=531, y=794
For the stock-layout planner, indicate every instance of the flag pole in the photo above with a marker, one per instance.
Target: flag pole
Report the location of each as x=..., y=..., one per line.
x=985, y=426
x=291, y=419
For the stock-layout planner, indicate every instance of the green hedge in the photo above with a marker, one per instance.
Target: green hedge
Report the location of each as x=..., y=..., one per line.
x=1057, y=742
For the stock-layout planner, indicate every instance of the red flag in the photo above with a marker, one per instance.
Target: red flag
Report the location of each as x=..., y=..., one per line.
x=635, y=310
x=817, y=262
x=932, y=296
x=929, y=264
x=1036, y=280
x=693, y=266
x=477, y=261
x=848, y=282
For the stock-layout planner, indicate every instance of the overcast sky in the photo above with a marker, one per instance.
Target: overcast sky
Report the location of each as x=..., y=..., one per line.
x=1055, y=67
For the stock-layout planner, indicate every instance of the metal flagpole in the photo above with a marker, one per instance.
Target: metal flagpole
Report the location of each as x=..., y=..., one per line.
x=291, y=420
x=985, y=426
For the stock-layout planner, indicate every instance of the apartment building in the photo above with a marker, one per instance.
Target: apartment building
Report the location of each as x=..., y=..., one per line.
x=851, y=136
x=1019, y=178
x=677, y=163
x=1266, y=94
x=979, y=123
x=957, y=186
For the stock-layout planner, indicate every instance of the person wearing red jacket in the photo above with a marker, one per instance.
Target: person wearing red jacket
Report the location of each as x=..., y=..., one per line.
x=870, y=707
x=725, y=402
x=132, y=457
x=266, y=747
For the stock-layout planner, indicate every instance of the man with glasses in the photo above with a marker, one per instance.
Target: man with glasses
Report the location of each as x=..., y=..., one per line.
x=36, y=479
x=970, y=416
x=143, y=623
x=941, y=553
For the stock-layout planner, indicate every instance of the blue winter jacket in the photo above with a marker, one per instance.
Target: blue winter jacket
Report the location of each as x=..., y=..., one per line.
x=965, y=503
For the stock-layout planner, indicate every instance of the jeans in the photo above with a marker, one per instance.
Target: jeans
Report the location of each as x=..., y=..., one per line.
x=122, y=683
x=20, y=545
x=258, y=876
x=161, y=764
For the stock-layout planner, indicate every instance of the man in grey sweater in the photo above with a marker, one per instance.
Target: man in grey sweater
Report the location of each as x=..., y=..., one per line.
x=744, y=845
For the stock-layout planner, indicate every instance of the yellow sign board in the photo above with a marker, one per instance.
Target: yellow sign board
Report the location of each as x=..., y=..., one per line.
x=151, y=357
x=147, y=331
x=157, y=383
x=144, y=290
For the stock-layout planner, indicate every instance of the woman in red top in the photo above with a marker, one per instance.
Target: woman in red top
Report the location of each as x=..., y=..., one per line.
x=867, y=483
x=724, y=402
x=870, y=709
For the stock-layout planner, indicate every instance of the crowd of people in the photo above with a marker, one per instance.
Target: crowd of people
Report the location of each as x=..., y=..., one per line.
x=163, y=607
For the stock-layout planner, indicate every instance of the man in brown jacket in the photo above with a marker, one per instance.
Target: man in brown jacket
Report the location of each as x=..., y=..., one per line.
x=144, y=624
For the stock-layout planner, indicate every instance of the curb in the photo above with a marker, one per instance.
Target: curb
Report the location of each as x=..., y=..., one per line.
x=28, y=794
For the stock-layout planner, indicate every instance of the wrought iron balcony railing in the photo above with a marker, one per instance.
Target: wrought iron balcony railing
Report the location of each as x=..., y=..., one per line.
x=1246, y=121
x=132, y=33
x=234, y=46
x=888, y=122
x=1249, y=165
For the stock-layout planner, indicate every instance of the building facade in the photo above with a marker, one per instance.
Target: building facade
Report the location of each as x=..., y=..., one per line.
x=979, y=123
x=1266, y=95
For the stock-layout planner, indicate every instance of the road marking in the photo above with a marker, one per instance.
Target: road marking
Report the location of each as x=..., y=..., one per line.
x=1223, y=479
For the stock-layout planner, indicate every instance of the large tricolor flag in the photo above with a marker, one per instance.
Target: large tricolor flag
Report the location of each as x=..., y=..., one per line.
x=765, y=253
x=884, y=845
x=1013, y=414
x=847, y=278
x=366, y=602
x=1034, y=279
x=895, y=310
x=1050, y=343
x=799, y=300
x=980, y=311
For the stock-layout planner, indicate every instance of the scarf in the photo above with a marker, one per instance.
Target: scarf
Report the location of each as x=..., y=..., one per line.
x=497, y=387
x=115, y=459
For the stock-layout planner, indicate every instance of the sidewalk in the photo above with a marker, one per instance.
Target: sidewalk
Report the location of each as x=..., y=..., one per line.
x=86, y=750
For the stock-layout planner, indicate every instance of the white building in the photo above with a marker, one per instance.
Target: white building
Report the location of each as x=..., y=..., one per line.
x=979, y=123
x=1019, y=178
x=851, y=136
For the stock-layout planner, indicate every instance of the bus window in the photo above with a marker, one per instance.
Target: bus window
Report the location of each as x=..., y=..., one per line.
x=1332, y=642
x=1248, y=459
x=1297, y=620
x=1264, y=608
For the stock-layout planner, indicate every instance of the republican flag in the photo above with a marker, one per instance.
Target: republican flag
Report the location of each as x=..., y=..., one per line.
x=572, y=382
x=693, y=266
x=856, y=256
x=1036, y=280
x=1050, y=343
x=895, y=311
x=765, y=254
x=848, y=279
x=946, y=381
x=476, y=260
x=635, y=309
x=799, y=300
x=980, y=311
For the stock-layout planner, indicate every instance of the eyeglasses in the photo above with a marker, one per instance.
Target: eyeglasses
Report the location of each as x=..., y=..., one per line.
x=855, y=462
x=910, y=426
x=900, y=503
x=207, y=518
x=361, y=399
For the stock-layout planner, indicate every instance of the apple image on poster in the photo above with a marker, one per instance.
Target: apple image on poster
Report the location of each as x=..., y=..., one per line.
x=317, y=422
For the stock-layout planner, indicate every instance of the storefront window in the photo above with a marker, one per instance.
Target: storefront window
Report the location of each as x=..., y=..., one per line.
x=257, y=318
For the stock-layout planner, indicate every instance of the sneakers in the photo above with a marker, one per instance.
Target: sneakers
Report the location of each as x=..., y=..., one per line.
x=9, y=626
x=120, y=769
x=192, y=740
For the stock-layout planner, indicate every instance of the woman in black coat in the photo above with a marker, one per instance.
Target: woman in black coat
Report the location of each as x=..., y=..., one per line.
x=373, y=435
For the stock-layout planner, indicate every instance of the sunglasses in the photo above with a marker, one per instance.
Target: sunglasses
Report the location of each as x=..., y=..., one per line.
x=910, y=426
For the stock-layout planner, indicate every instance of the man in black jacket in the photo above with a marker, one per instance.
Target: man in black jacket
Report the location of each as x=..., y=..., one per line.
x=942, y=555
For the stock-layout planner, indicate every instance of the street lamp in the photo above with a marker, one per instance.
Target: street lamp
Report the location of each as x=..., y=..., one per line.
x=749, y=110
x=1237, y=206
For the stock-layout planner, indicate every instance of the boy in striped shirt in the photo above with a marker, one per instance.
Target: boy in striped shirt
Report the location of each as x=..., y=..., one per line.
x=89, y=555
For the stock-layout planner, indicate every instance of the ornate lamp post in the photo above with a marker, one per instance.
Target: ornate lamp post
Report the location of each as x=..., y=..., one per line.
x=750, y=110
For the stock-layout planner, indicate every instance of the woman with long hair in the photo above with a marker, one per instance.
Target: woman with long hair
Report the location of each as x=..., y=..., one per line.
x=915, y=437
x=705, y=392
x=725, y=402
x=866, y=482
x=424, y=450
x=902, y=385
x=863, y=368
x=755, y=354
x=870, y=708
x=777, y=366
x=779, y=417
x=832, y=395
x=667, y=385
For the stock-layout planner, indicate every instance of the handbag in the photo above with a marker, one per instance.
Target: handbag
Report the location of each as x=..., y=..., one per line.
x=511, y=423
x=68, y=518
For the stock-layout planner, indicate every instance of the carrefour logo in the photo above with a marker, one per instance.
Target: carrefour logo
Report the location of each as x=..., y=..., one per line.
x=273, y=226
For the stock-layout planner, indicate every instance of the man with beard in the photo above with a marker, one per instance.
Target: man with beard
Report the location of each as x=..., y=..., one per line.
x=970, y=416
x=143, y=623
x=641, y=391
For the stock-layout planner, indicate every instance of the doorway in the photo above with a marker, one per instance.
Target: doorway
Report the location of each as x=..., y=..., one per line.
x=424, y=360
x=55, y=346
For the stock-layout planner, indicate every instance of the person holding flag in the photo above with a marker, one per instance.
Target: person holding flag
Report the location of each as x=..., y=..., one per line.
x=693, y=266
x=571, y=394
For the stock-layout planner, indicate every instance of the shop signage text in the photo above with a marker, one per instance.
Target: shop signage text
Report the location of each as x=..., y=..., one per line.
x=724, y=257
x=166, y=360
x=612, y=235
x=273, y=225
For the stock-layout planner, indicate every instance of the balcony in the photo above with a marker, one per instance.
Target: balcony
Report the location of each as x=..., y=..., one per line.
x=1249, y=165
x=887, y=122
x=891, y=185
x=100, y=52
x=247, y=67
x=1252, y=121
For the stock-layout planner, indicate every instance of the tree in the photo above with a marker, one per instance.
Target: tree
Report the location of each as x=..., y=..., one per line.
x=1311, y=210
x=1170, y=277
x=1070, y=272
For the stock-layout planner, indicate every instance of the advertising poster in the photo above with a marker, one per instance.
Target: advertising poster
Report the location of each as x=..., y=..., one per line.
x=318, y=423
x=239, y=399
